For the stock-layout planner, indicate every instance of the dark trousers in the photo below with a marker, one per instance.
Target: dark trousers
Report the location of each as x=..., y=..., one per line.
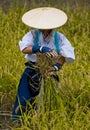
x=25, y=93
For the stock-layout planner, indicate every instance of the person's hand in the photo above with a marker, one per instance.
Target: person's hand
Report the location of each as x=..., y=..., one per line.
x=53, y=69
x=52, y=54
x=57, y=66
x=49, y=52
x=51, y=72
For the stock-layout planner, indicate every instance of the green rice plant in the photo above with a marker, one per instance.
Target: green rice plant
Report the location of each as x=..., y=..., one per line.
x=64, y=105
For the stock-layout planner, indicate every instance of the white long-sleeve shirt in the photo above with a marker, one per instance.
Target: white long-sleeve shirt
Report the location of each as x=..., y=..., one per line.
x=66, y=48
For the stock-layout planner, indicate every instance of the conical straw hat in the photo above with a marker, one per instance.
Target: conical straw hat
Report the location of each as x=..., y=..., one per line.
x=44, y=18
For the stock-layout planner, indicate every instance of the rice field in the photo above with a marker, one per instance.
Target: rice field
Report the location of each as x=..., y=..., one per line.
x=64, y=105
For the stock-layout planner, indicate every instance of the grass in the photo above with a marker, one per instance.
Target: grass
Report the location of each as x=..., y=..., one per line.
x=64, y=108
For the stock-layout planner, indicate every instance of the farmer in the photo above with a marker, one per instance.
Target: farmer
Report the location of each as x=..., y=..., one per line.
x=42, y=39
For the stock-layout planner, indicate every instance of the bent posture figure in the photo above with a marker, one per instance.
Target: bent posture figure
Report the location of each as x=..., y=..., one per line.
x=43, y=39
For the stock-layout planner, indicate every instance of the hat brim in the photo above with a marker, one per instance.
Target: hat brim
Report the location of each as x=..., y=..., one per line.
x=44, y=18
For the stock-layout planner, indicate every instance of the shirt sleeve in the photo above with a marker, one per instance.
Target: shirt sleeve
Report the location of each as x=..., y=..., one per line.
x=66, y=49
x=26, y=41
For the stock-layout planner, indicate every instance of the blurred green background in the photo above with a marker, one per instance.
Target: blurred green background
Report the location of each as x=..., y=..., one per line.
x=70, y=108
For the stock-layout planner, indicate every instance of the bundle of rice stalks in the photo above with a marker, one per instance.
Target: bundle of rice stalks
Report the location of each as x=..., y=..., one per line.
x=45, y=63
